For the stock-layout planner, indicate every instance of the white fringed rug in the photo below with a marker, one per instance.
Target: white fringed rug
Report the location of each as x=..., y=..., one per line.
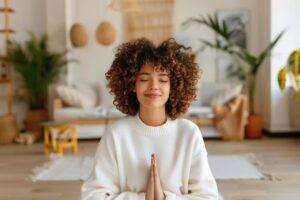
x=243, y=166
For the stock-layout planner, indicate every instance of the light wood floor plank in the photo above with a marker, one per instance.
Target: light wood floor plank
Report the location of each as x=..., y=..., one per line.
x=279, y=156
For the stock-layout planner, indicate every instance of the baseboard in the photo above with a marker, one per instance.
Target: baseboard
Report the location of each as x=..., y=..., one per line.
x=281, y=133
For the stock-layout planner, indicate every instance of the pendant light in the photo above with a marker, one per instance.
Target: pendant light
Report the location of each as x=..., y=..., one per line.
x=78, y=33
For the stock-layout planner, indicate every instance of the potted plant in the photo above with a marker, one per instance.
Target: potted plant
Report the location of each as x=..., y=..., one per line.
x=38, y=67
x=292, y=70
x=229, y=46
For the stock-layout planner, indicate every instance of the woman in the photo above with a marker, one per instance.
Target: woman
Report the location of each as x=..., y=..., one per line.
x=152, y=154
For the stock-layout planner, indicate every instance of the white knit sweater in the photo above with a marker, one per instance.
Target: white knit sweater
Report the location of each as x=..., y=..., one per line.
x=123, y=157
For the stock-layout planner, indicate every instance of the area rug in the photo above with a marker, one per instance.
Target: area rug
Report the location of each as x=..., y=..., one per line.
x=224, y=167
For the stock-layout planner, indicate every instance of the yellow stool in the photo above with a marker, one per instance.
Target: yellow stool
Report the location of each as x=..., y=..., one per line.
x=59, y=135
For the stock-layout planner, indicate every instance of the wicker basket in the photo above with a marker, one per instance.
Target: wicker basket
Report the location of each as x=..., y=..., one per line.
x=8, y=128
x=33, y=121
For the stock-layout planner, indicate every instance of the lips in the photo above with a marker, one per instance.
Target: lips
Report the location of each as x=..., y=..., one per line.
x=152, y=95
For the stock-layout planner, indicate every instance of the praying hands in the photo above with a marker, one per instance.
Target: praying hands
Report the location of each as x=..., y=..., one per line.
x=154, y=188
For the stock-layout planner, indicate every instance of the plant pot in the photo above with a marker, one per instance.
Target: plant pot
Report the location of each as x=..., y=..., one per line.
x=33, y=121
x=254, y=127
x=8, y=128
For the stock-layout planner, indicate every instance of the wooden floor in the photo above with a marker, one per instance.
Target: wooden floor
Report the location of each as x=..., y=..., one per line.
x=279, y=156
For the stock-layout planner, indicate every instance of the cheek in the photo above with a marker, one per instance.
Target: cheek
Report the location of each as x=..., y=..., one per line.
x=140, y=88
x=167, y=89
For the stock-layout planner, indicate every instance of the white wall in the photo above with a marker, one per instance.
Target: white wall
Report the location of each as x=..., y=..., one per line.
x=29, y=16
x=284, y=15
x=194, y=8
x=95, y=59
x=57, y=16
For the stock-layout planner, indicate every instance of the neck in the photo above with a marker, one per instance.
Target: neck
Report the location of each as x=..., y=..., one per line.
x=153, y=117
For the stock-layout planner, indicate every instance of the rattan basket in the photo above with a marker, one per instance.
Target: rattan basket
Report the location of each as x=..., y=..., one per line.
x=8, y=128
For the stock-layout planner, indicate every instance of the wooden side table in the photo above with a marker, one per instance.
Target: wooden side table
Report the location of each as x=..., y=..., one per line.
x=60, y=135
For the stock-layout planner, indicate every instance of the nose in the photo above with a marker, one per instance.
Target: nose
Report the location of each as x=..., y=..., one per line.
x=153, y=85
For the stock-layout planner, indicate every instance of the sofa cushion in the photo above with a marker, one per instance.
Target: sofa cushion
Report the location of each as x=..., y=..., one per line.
x=88, y=113
x=201, y=111
x=82, y=113
x=224, y=95
x=89, y=91
x=73, y=97
x=211, y=93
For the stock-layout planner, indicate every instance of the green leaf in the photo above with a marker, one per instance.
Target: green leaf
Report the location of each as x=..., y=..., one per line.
x=38, y=66
x=265, y=52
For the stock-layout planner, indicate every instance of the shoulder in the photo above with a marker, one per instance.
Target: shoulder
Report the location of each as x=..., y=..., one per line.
x=185, y=124
x=190, y=130
x=120, y=126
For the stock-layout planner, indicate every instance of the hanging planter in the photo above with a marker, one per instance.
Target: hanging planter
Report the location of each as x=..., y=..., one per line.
x=105, y=33
x=78, y=35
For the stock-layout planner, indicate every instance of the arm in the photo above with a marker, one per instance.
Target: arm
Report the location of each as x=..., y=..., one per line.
x=103, y=183
x=201, y=184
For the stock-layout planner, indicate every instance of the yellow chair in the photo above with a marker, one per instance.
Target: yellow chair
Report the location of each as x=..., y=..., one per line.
x=60, y=135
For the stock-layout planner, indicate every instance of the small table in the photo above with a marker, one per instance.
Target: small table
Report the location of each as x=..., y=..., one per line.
x=60, y=135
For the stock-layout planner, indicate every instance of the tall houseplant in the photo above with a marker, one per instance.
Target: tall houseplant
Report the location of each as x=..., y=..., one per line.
x=230, y=47
x=292, y=71
x=39, y=67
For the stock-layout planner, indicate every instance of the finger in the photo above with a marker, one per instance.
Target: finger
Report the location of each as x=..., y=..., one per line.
x=155, y=166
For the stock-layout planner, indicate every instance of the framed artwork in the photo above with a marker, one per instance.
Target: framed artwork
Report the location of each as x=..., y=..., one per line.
x=237, y=22
x=223, y=64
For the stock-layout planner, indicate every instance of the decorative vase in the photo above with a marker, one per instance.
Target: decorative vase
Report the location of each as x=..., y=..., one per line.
x=254, y=127
x=8, y=128
x=33, y=121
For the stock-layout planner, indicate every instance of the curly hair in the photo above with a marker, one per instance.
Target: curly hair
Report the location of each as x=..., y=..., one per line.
x=176, y=59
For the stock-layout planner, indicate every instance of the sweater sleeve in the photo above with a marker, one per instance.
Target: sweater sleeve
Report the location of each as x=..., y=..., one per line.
x=201, y=184
x=104, y=181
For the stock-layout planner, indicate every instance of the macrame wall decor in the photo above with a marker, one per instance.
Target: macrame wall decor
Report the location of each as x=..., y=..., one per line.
x=154, y=21
x=78, y=34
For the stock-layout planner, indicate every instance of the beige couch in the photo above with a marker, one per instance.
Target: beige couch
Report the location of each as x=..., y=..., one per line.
x=214, y=112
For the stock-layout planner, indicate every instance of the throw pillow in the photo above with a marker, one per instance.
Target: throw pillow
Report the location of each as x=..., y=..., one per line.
x=88, y=91
x=73, y=97
x=224, y=95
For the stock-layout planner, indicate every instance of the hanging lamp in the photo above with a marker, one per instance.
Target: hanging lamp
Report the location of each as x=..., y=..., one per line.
x=105, y=33
x=78, y=34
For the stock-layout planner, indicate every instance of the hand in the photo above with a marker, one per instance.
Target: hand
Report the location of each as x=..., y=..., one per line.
x=150, y=186
x=158, y=190
x=154, y=188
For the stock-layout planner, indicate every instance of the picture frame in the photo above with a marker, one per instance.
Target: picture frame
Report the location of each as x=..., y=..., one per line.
x=222, y=65
x=237, y=20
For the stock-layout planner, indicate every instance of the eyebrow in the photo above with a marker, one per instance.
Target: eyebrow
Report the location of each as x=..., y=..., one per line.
x=146, y=73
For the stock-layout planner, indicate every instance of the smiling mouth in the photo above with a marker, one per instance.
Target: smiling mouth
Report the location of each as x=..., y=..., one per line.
x=152, y=95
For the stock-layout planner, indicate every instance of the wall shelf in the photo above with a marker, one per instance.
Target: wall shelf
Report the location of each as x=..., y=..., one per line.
x=5, y=76
x=7, y=10
x=7, y=30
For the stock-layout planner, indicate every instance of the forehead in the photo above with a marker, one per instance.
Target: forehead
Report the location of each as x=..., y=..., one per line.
x=151, y=68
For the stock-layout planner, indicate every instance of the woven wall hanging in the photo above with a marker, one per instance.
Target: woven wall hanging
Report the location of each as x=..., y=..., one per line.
x=154, y=21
